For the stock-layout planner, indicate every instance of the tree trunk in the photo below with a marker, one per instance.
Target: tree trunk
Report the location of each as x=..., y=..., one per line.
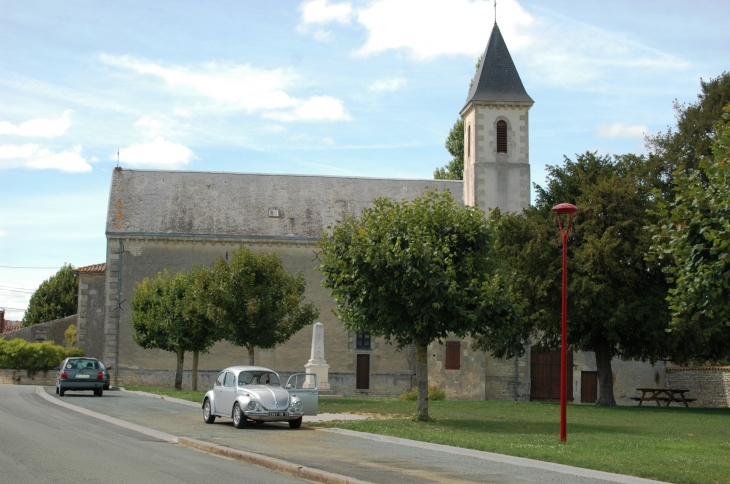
x=422, y=377
x=196, y=354
x=605, y=375
x=250, y=354
x=179, y=372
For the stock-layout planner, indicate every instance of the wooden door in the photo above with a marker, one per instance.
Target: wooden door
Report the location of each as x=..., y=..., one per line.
x=545, y=375
x=363, y=372
x=588, y=386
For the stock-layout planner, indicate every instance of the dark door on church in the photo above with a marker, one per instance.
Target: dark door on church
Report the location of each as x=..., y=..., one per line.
x=588, y=386
x=545, y=375
x=363, y=372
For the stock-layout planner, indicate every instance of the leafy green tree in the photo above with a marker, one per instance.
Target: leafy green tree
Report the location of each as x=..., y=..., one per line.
x=256, y=302
x=695, y=238
x=416, y=272
x=454, y=170
x=691, y=141
x=56, y=297
x=170, y=314
x=616, y=298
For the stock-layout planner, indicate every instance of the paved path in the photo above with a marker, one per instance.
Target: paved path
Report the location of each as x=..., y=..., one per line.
x=364, y=459
x=43, y=443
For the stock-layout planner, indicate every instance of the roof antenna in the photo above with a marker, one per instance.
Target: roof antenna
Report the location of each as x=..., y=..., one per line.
x=495, y=12
x=118, y=148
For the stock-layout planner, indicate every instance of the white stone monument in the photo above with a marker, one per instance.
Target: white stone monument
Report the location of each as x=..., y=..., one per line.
x=317, y=364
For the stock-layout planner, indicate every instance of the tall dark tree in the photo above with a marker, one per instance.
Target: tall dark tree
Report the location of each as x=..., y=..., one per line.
x=56, y=297
x=691, y=140
x=256, y=302
x=454, y=170
x=616, y=298
x=695, y=240
x=417, y=272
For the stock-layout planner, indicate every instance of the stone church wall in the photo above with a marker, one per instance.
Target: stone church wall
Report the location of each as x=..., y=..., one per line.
x=390, y=372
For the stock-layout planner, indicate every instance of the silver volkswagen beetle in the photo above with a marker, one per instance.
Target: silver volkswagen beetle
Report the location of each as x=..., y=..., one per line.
x=255, y=393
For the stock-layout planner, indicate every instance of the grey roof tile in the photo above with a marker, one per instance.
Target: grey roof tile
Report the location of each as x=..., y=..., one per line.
x=237, y=204
x=497, y=79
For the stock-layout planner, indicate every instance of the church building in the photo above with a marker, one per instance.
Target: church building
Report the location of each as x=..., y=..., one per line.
x=173, y=220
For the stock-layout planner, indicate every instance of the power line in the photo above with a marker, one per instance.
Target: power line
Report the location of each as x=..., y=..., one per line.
x=13, y=309
x=16, y=290
x=16, y=267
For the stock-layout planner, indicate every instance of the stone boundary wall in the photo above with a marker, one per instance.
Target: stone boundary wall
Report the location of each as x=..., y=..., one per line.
x=53, y=331
x=23, y=377
x=381, y=384
x=710, y=385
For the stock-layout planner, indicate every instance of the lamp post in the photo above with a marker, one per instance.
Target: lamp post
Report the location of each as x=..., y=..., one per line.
x=569, y=210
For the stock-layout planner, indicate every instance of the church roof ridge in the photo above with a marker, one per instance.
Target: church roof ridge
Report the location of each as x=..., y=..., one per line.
x=309, y=175
x=497, y=79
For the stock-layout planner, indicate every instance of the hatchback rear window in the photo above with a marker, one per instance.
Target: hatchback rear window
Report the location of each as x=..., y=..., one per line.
x=82, y=364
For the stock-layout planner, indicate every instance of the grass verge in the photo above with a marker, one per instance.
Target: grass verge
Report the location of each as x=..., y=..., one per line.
x=675, y=444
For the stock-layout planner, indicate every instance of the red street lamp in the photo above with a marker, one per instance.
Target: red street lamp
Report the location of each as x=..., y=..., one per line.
x=569, y=210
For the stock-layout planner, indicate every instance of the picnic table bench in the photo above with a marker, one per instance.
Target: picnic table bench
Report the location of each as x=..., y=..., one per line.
x=660, y=395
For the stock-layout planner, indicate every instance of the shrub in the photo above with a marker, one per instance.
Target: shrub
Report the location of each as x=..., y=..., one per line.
x=18, y=354
x=434, y=394
x=70, y=337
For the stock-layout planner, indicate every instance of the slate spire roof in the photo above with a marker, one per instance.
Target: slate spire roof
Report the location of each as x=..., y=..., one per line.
x=497, y=79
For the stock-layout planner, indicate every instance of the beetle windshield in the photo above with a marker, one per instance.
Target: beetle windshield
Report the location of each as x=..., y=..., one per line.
x=258, y=378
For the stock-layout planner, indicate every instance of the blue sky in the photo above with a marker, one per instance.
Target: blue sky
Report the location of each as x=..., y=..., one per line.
x=362, y=88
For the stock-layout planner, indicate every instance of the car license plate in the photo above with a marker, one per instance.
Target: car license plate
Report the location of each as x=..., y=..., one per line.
x=82, y=376
x=278, y=414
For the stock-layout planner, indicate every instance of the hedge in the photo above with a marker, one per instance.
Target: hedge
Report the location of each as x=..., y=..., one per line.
x=18, y=354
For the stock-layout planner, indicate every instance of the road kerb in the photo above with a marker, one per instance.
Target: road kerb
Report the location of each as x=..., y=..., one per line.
x=284, y=467
x=106, y=418
x=278, y=465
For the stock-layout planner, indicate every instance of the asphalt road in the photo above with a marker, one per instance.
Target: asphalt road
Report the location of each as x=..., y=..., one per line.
x=363, y=459
x=43, y=443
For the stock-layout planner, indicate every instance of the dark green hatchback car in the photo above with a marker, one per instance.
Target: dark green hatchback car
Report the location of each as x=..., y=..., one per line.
x=79, y=374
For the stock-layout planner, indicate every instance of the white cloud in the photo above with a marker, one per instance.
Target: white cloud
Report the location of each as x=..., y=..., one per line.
x=39, y=128
x=551, y=49
x=328, y=141
x=3, y=234
x=160, y=153
x=33, y=157
x=322, y=12
x=183, y=113
x=274, y=128
x=322, y=35
x=316, y=108
x=391, y=84
x=438, y=27
x=620, y=130
x=237, y=86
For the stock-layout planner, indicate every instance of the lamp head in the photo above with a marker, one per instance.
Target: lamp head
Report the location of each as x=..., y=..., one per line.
x=565, y=209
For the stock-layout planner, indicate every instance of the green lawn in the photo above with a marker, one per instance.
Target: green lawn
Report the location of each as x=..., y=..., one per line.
x=675, y=444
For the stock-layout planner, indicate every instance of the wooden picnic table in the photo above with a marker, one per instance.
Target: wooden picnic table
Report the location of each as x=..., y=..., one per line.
x=659, y=395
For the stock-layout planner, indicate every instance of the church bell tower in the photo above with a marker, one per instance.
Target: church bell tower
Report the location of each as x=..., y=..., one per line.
x=496, y=133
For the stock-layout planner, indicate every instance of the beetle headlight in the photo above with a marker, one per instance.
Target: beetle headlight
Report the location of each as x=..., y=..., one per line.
x=251, y=405
x=297, y=406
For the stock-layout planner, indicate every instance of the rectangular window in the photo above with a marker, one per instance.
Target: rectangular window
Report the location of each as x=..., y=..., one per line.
x=363, y=341
x=453, y=355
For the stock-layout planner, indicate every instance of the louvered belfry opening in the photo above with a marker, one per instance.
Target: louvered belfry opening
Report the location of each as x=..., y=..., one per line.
x=501, y=137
